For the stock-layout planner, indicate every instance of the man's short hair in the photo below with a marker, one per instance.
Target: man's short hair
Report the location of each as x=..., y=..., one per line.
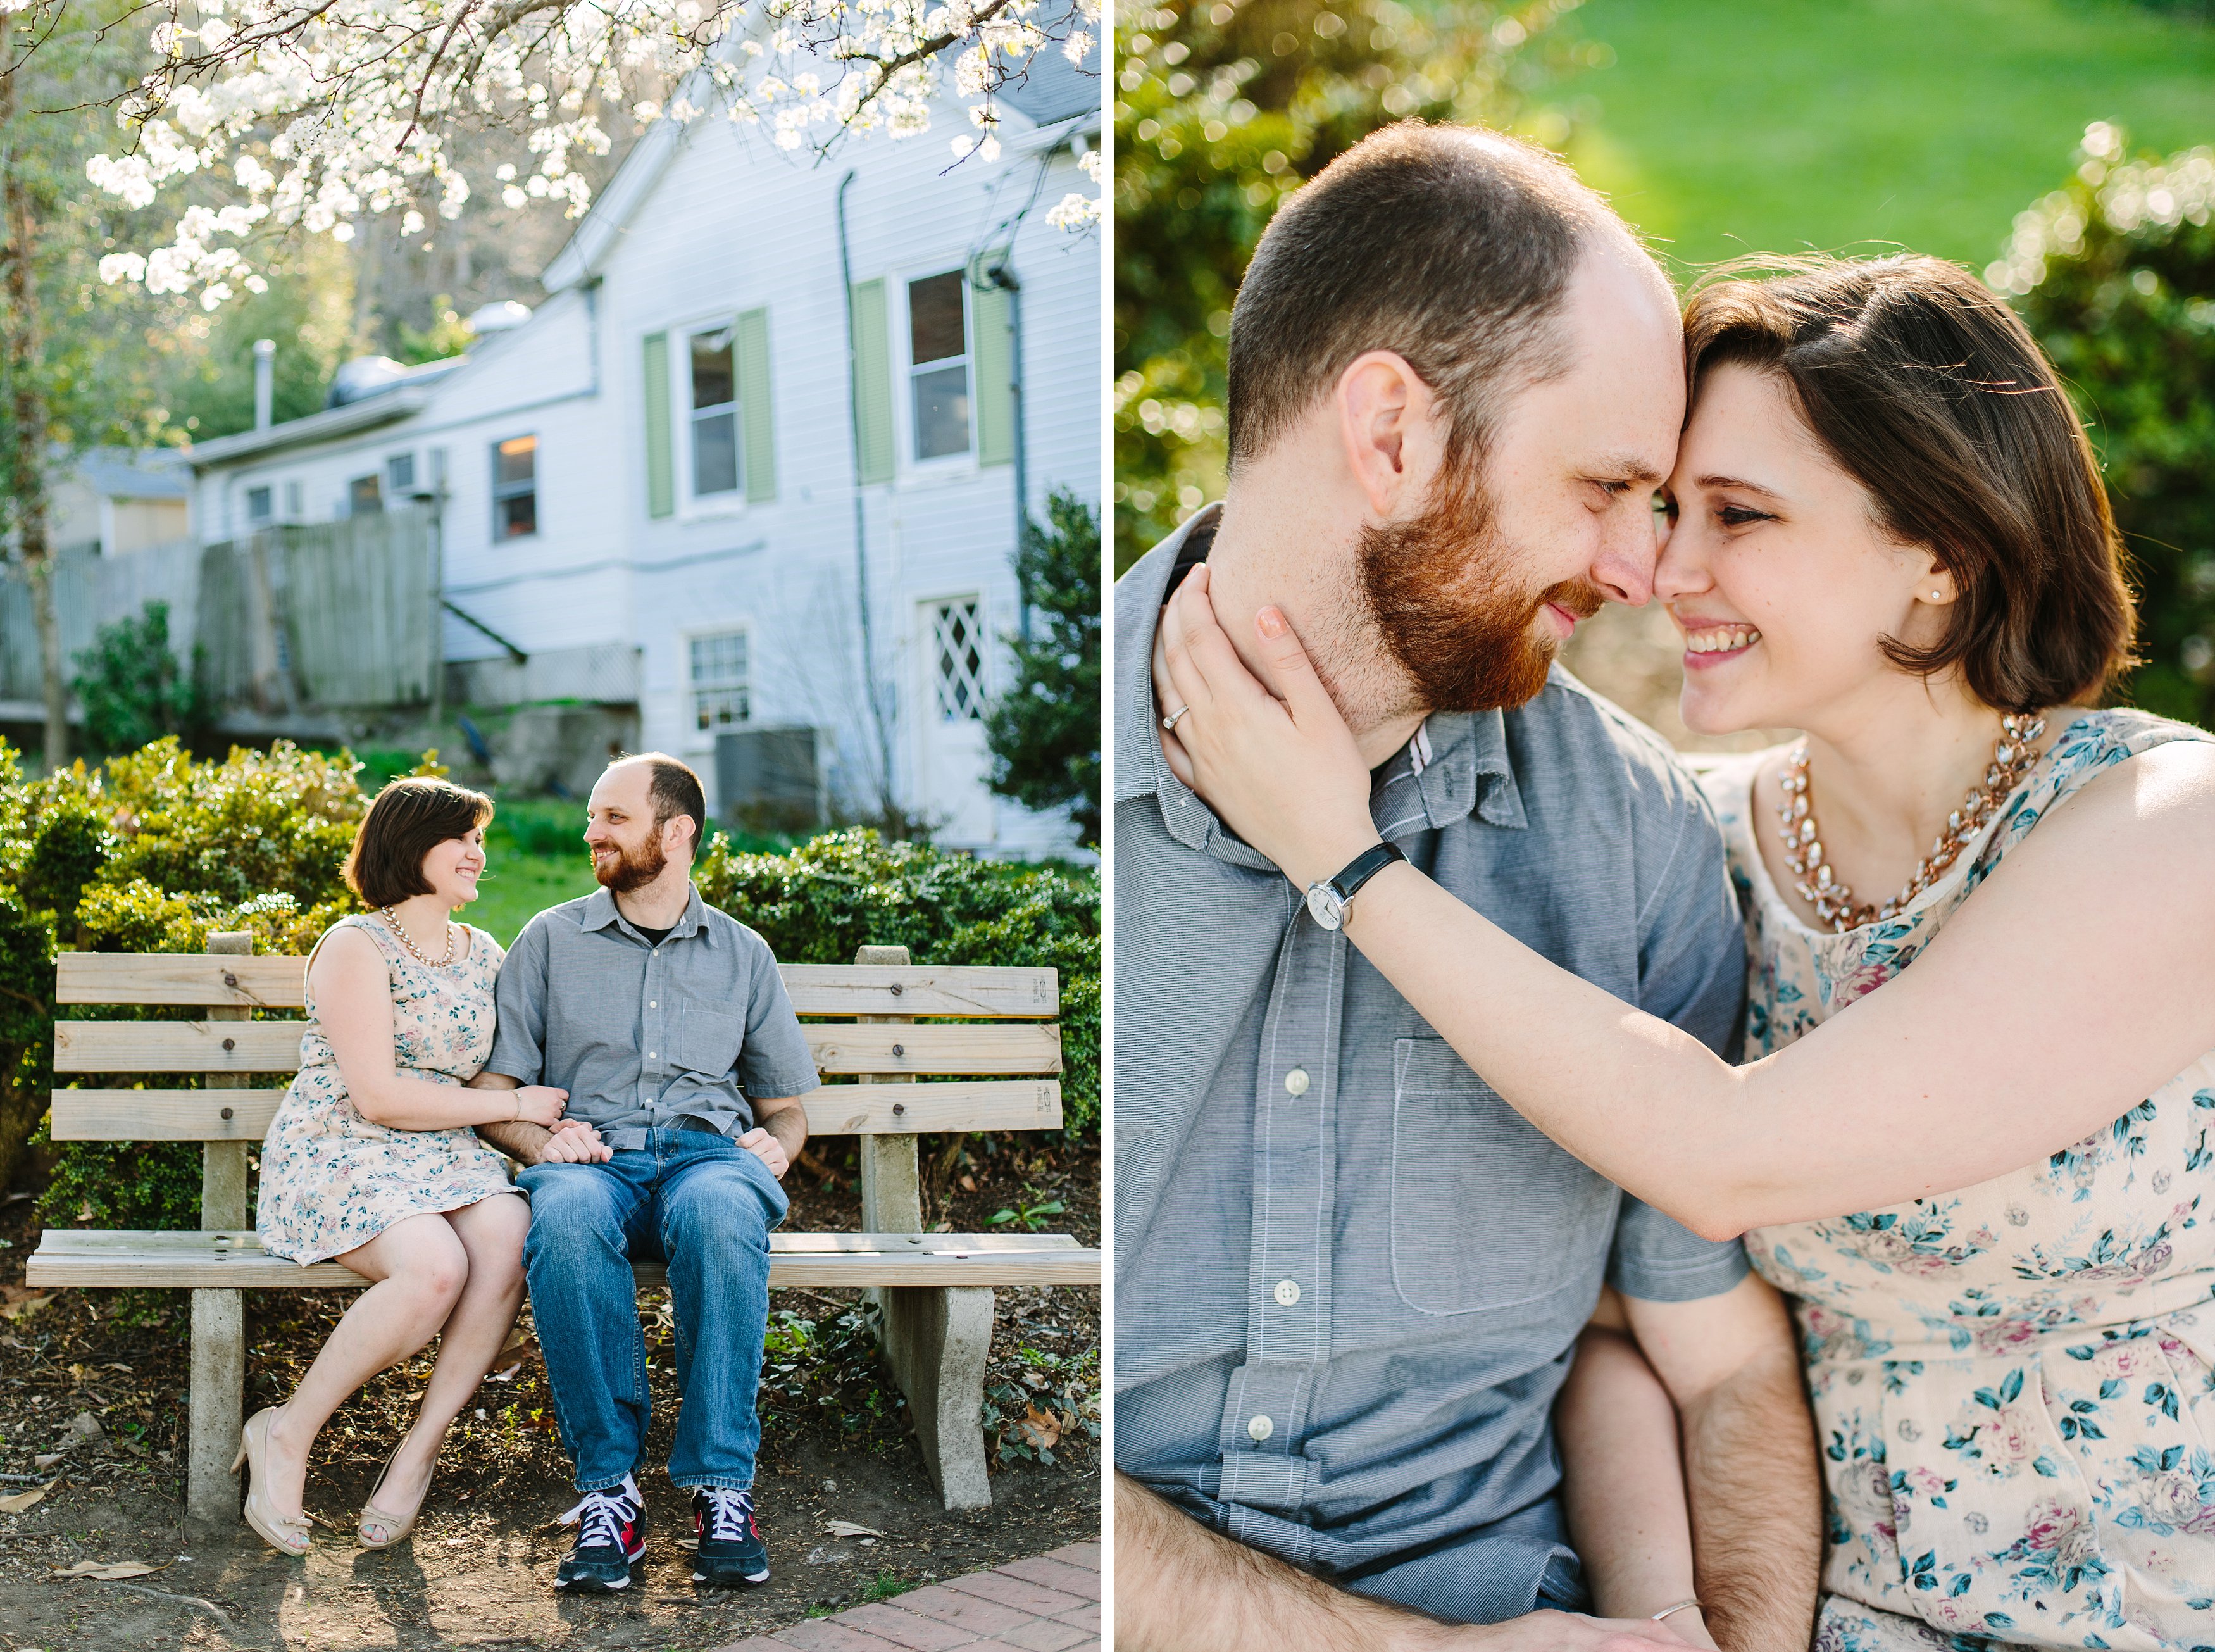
x=411, y=817
x=1451, y=246
x=675, y=789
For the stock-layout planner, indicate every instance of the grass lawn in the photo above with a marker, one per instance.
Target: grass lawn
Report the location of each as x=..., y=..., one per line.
x=1727, y=127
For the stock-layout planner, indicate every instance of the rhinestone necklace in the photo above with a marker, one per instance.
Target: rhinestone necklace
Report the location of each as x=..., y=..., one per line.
x=1833, y=901
x=400, y=930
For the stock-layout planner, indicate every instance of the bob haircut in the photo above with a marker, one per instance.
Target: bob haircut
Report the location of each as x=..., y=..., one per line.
x=411, y=817
x=1930, y=393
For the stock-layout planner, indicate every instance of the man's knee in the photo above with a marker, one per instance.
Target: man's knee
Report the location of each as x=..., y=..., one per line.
x=722, y=1207
x=574, y=1209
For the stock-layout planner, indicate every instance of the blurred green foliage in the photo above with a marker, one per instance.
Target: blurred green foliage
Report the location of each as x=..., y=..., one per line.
x=134, y=689
x=1220, y=111
x=2115, y=273
x=1043, y=732
x=849, y=889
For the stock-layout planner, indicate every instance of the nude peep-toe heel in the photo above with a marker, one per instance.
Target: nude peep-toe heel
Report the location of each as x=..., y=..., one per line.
x=375, y=1519
x=286, y=1537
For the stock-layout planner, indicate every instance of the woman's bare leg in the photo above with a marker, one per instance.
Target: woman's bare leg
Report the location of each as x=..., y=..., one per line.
x=492, y=1232
x=419, y=1266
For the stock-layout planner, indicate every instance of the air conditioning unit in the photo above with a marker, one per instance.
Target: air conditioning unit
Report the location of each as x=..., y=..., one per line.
x=769, y=780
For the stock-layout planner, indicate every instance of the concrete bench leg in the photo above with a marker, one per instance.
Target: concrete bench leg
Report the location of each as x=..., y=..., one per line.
x=935, y=1338
x=218, y=1398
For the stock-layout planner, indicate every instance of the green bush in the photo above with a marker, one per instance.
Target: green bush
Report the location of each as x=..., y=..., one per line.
x=849, y=889
x=1044, y=732
x=2115, y=273
x=133, y=689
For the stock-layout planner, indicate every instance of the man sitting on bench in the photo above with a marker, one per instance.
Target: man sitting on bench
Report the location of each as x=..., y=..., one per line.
x=666, y=1021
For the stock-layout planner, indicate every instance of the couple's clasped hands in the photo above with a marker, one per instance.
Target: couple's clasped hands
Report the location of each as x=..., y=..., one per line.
x=573, y=1141
x=1270, y=754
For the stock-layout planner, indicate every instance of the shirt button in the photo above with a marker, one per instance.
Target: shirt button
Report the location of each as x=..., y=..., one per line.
x=653, y=1004
x=1296, y=1082
x=649, y=1055
x=1260, y=1429
x=1288, y=1292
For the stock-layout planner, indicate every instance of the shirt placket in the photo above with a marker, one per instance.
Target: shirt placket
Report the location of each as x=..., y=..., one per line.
x=653, y=1022
x=1266, y=1476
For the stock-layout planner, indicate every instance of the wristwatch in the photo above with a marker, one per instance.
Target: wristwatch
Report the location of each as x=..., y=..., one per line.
x=1328, y=899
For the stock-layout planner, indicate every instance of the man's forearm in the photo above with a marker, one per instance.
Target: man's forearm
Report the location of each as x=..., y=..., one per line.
x=519, y=1138
x=1750, y=1462
x=789, y=1124
x=1180, y=1588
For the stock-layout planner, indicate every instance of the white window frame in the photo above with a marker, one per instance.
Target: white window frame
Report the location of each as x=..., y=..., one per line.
x=267, y=518
x=498, y=498
x=932, y=708
x=395, y=493
x=945, y=465
x=696, y=738
x=729, y=500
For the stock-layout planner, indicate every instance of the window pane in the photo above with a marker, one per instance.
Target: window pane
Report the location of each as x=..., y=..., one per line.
x=518, y=516
x=959, y=661
x=714, y=385
x=257, y=504
x=517, y=459
x=715, y=452
x=720, y=705
x=720, y=658
x=364, y=498
x=942, y=412
x=400, y=473
x=934, y=318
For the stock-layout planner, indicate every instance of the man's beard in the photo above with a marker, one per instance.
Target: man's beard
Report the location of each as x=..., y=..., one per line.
x=1441, y=589
x=631, y=870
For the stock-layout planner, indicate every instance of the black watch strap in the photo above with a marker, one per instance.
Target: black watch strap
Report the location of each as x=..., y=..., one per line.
x=1363, y=867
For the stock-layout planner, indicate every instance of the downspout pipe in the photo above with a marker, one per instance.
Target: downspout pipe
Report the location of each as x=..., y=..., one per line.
x=861, y=538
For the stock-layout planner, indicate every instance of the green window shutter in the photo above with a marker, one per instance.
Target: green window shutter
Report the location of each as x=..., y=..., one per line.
x=872, y=381
x=996, y=398
x=754, y=408
x=661, y=463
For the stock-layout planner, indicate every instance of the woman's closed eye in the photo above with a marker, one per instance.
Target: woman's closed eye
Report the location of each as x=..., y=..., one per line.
x=1737, y=516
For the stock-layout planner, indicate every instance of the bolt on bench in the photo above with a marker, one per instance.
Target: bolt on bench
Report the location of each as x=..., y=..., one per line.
x=934, y=1289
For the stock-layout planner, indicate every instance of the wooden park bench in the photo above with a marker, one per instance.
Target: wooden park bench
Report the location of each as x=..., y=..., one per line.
x=935, y=1289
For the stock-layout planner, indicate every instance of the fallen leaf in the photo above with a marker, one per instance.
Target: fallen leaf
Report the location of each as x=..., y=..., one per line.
x=1039, y=1429
x=108, y=1571
x=47, y=1459
x=17, y=1309
x=125, y=1368
x=23, y=1500
x=848, y=1529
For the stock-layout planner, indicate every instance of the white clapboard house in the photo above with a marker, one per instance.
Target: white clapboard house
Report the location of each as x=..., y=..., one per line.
x=664, y=494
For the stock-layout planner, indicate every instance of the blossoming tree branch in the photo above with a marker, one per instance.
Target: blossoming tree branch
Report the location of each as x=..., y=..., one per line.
x=280, y=114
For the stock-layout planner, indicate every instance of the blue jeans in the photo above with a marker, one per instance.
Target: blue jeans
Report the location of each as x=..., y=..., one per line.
x=705, y=1205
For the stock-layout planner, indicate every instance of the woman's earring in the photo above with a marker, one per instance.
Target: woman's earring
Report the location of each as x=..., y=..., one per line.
x=1937, y=596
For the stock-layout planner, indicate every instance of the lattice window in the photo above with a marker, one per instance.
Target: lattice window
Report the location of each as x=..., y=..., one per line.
x=957, y=648
x=720, y=686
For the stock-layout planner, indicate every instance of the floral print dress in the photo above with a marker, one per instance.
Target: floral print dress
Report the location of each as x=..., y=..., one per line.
x=2014, y=1384
x=331, y=1180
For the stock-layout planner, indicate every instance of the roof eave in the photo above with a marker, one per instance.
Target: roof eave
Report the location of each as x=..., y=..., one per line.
x=365, y=414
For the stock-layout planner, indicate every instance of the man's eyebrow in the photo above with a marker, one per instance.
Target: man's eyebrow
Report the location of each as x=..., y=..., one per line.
x=1627, y=467
x=1736, y=484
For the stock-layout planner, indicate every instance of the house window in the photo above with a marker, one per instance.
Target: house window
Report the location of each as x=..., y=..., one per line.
x=957, y=652
x=294, y=508
x=719, y=680
x=400, y=475
x=515, y=488
x=938, y=364
x=258, y=507
x=364, y=497
x=714, y=414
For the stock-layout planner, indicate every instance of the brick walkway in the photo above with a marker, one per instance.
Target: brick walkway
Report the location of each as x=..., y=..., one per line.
x=1049, y=1603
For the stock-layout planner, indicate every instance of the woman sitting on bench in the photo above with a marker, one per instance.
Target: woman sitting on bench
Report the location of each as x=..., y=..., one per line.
x=370, y=1159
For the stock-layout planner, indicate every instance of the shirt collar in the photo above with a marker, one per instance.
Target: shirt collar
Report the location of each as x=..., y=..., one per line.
x=1468, y=767
x=600, y=912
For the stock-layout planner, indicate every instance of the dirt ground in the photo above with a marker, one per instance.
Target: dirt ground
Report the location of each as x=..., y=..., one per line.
x=93, y=1406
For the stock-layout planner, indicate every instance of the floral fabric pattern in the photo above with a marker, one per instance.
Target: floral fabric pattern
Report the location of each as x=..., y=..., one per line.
x=2014, y=1384
x=332, y=1180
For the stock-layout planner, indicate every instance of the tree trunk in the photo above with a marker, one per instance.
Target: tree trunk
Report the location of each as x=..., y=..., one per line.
x=27, y=421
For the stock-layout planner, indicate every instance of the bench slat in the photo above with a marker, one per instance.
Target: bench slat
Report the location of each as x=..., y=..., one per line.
x=274, y=1047
x=70, y=1257
x=276, y=983
x=890, y=1109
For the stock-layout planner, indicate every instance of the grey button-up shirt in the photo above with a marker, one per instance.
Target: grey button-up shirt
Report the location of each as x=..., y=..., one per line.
x=642, y=1035
x=1348, y=1276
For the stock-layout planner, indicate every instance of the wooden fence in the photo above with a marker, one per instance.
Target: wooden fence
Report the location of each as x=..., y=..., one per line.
x=324, y=616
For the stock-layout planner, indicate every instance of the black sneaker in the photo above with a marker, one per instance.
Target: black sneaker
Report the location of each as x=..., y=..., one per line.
x=730, y=1550
x=611, y=1538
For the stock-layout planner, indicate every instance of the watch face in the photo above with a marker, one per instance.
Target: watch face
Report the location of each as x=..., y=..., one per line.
x=1324, y=905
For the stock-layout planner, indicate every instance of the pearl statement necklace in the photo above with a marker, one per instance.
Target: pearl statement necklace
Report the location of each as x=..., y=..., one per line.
x=1803, y=840
x=400, y=930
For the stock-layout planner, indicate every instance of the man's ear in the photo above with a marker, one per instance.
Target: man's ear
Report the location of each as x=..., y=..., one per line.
x=1386, y=417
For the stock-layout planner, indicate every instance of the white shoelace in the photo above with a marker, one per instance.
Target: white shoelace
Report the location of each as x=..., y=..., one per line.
x=730, y=1514
x=601, y=1516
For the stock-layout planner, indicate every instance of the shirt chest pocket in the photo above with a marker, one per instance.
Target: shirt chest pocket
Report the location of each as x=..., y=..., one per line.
x=707, y=1040
x=1487, y=1212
